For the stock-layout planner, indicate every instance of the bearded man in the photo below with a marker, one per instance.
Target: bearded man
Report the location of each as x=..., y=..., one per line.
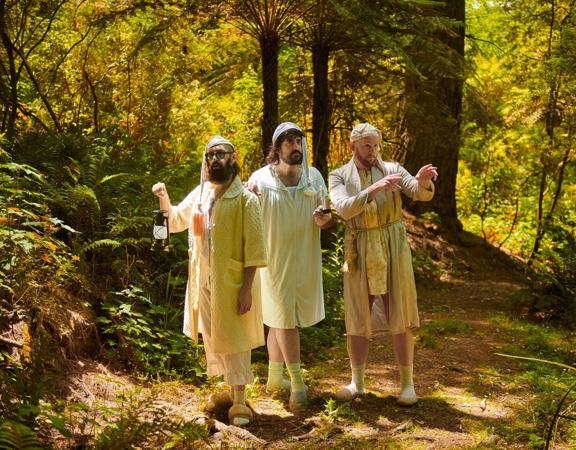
x=378, y=276
x=293, y=213
x=226, y=245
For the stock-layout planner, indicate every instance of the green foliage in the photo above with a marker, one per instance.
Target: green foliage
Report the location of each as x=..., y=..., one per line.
x=318, y=340
x=31, y=252
x=547, y=357
x=424, y=265
x=139, y=423
x=335, y=412
x=557, y=279
x=16, y=436
x=145, y=335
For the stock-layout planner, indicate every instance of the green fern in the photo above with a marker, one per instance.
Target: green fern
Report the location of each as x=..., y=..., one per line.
x=16, y=436
x=100, y=244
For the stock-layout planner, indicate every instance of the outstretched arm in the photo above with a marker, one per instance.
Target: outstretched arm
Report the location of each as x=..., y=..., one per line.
x=421, y=186
x=426, y=174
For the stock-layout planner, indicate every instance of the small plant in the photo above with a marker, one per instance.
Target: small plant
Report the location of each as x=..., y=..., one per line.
x=137, y=422
x=334, y=412
x=143, y=334
x=425, y=265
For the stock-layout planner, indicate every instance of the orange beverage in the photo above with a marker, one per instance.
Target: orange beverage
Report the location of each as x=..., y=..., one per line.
x=198, y=223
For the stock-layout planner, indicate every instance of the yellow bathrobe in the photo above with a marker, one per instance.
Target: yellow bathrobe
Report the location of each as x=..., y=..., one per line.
x=236, y=242
x=350, y=200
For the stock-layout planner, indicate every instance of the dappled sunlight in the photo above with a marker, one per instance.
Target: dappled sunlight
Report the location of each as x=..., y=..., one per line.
x=481, y=407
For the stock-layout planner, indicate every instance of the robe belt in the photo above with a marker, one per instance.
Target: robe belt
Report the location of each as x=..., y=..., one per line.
x=350, y=261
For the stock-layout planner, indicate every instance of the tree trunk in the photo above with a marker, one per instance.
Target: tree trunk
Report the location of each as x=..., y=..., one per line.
x=550, y=125
x=11, y=105
x=270, y=48
x=433, y=118
x=321, y=109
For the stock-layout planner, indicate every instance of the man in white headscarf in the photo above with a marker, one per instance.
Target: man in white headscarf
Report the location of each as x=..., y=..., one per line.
x=226, y=245
x=292, y=196
x=379, y=288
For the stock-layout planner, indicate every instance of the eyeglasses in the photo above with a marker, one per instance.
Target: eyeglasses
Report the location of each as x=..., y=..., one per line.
x=216, y=155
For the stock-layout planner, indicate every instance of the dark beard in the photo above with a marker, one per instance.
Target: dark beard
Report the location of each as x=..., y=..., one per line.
x=294, y=159
x=220, y=174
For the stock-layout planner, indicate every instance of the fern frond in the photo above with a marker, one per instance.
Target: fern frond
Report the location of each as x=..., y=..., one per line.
x=25, y=168
x=99, y=244
x=112, y=177
x=16, y=436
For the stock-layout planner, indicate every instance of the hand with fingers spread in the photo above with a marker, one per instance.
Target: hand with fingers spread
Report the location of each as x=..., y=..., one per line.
x=427, y=173
x=392, y=183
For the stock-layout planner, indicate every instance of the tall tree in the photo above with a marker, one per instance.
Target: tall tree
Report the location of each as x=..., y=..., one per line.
x=431, y=126
x=323, y=32
x=268, y=21
x=559, y=68
x=23, y=28
x=378, y=40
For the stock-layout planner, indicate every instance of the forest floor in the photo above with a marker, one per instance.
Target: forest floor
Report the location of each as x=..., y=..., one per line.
x=469, y=396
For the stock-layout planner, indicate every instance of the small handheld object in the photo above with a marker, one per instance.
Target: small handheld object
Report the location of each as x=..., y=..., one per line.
x=322, y=201
x=198, y=222
x=160, y=231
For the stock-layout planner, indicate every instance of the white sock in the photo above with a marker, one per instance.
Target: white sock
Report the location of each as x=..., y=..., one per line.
x=357, y=385
x=406, y=376
x=275, y=370
x=296, y=377
x=239, y=397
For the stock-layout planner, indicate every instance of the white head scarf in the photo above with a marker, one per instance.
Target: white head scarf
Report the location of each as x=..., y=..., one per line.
x=285, y=126
x=363, y=130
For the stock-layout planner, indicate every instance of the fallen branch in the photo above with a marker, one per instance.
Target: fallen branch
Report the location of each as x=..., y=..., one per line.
x=237, y=432
x=10, y=342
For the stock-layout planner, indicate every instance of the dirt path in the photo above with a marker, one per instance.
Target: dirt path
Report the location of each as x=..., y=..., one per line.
x=468, y=395
x=462, y=384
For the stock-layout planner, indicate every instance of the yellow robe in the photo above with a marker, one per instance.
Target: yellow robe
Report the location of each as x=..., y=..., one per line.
x=351, y=203
x=236, y=242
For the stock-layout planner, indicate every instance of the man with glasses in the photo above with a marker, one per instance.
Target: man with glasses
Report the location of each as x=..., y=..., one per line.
x=226, y=245
x=293, y=213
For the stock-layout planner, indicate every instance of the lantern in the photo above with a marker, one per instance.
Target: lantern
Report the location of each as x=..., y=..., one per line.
x=160, y=231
